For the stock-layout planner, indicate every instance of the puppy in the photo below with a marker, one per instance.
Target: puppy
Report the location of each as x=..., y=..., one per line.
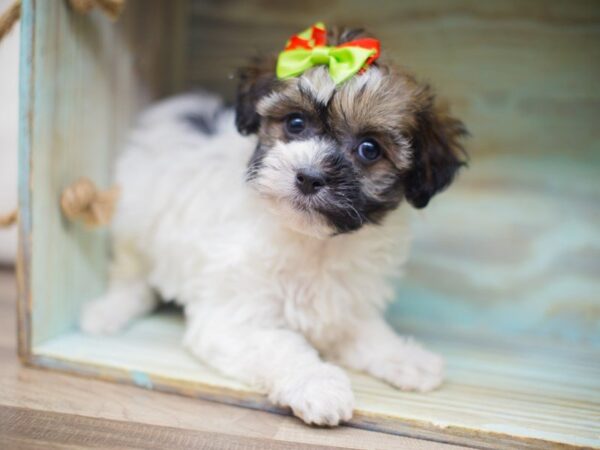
x=280, y=239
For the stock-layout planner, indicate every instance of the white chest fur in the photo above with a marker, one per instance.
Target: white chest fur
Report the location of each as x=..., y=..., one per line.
x=207, y=237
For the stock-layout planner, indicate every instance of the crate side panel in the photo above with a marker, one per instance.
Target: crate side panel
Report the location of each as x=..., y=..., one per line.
x=89, y=79
x=512, y=249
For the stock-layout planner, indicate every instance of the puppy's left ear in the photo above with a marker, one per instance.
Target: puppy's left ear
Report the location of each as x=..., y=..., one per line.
x=438, y=152
x=255, y=81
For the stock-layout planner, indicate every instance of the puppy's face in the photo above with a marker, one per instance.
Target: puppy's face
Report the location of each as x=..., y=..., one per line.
x=332, y=158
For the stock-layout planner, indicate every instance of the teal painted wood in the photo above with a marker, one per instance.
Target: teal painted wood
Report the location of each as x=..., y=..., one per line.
x=25, y=219
x=68, y=136
x=84, y=79
x=512, y=249
x=499, y=393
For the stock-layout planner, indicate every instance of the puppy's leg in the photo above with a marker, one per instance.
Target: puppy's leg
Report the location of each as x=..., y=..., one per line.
x=275, y=360
x=128, y=295
x=400, y=361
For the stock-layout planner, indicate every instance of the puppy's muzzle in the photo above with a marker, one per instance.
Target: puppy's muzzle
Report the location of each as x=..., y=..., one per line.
x=310, y=181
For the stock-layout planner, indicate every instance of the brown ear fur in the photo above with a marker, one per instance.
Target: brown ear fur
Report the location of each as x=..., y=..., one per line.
x=255, y=80
x=258, y=79
x=438, y=152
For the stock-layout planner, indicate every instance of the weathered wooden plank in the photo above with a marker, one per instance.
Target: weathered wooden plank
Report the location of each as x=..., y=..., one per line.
x=512, y=249
x=30, y=429
x=83, y=81
x=499, y=392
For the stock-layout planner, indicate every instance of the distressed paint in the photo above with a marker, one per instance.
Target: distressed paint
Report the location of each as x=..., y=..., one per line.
x=512, y=249
x=141, y=379
x=84, y=80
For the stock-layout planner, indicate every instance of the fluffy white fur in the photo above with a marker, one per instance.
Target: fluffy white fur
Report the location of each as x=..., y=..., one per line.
x=266, y=302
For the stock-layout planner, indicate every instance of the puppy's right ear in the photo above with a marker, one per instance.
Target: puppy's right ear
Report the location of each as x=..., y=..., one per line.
x=438, y=151
x=255, y=81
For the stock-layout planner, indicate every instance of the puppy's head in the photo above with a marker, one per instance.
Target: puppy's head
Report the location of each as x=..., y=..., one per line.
x=332, y=158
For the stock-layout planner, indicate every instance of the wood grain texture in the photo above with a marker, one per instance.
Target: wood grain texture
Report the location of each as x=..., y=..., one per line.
x=31, y=394
x=512, y=249
x=22, y=428
x=498, y=391
x=83, y=81
x=525, y=76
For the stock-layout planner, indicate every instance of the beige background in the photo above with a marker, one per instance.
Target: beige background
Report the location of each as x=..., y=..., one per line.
x=9, y=51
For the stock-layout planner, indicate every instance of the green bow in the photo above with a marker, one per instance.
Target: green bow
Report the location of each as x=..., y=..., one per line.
x=307, y=49
x=343, y=62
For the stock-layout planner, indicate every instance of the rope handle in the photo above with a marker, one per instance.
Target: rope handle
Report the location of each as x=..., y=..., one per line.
x=9, y=18
x=112, y=8
x=9, y=219
x=82, y=201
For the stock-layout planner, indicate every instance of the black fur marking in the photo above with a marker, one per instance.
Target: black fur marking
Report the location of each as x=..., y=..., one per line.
x=321, y=108
x=254, y=83
x=376, y=209
x=202, y=123
x=437, y=157
x=348, y=207
x=344, y=204
x=255, y=163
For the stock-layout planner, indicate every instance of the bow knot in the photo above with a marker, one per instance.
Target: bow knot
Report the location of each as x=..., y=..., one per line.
x=320, y=55
x=308, y=49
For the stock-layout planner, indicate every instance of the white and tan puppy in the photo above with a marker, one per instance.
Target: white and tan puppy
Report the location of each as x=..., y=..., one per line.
x=280, y=238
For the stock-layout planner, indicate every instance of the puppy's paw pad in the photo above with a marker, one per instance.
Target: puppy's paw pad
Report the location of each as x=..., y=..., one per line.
x=415, y=369
x=102, y=317
x=320, y=397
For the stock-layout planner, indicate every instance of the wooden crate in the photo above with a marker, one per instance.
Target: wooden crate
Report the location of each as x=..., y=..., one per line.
x=504, y=278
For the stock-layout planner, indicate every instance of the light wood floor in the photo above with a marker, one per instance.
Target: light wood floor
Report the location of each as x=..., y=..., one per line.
x=47, y=410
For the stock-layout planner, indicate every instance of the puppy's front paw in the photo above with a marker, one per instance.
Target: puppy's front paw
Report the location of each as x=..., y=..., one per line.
x=102, y=316
x=319, y=397
x=413, y=369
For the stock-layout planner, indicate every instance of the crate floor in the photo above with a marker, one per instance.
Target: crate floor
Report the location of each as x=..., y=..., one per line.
x=512, y=391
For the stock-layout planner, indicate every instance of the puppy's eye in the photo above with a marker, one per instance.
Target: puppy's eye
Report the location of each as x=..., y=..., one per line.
x=369, y=151
x=295, y=123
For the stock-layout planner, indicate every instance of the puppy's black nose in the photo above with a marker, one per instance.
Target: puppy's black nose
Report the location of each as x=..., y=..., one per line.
x=309, y=181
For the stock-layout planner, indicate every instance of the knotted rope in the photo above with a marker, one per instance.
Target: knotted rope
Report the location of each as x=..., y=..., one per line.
x=9, y=18
x=8, y=219
x=112, y=8
x=81, y=200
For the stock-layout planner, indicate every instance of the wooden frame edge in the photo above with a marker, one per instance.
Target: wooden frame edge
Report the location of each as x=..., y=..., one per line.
x=26, y=117
x=415, y=429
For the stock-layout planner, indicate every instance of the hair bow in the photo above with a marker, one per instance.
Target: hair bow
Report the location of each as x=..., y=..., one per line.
x=308, y=49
